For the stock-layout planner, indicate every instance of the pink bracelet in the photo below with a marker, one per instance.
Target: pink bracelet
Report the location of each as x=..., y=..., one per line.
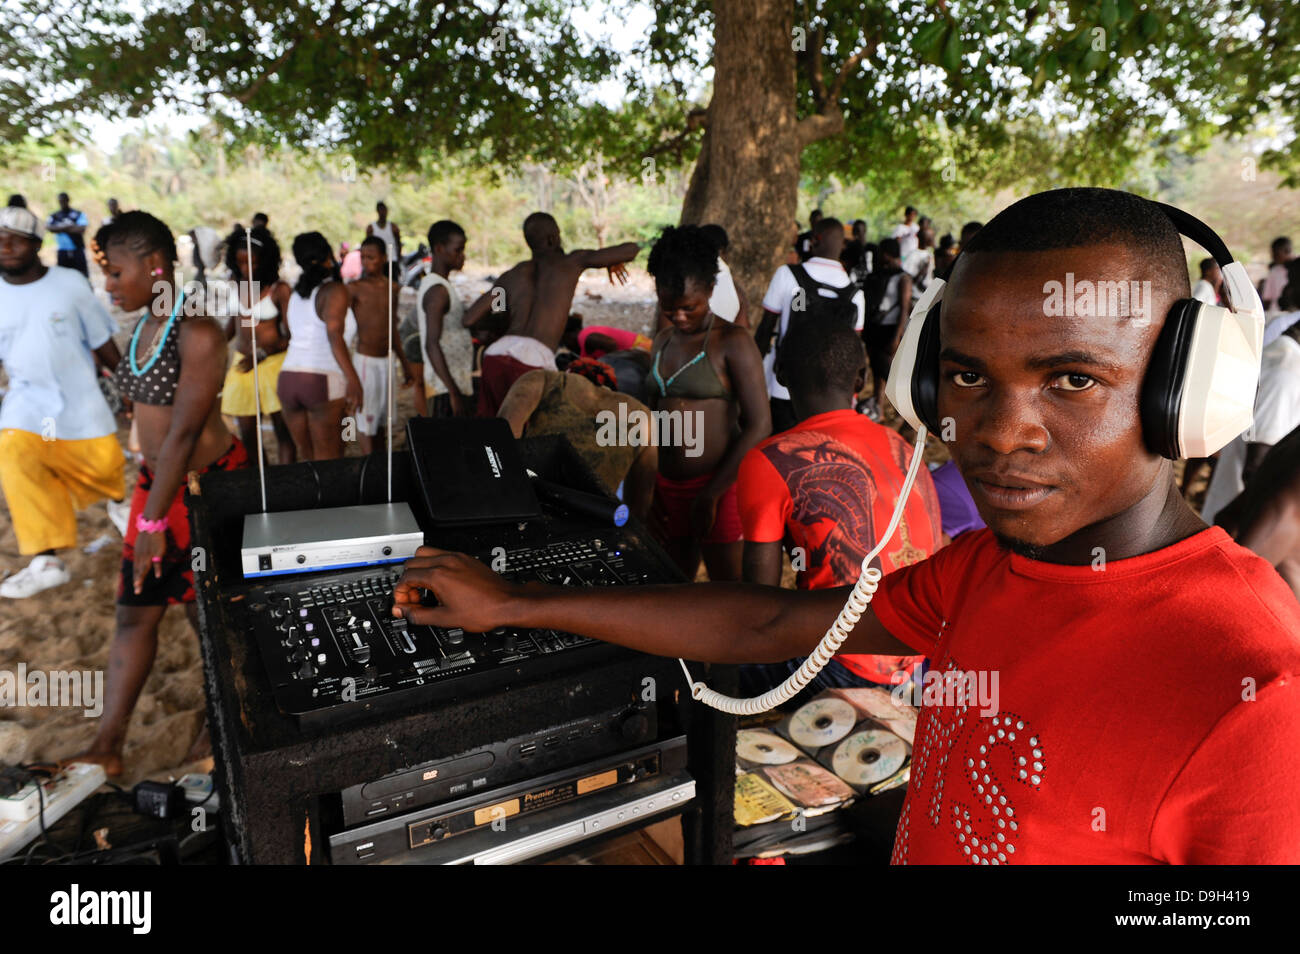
x=150, y=526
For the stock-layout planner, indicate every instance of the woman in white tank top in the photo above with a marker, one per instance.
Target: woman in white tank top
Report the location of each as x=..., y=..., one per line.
x=318, y=383
x=240, y=398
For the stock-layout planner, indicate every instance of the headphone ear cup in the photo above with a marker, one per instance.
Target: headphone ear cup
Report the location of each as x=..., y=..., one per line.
x=1166, y=377
x=925, y=375
x=913, y=361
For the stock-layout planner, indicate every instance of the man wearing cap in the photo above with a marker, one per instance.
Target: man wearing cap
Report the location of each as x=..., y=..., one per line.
x=58, y=440
x=69, y=228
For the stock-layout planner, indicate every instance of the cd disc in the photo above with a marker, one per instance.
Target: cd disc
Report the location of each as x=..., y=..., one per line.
x=865, y=758
x=822, y=722
x=764, y=748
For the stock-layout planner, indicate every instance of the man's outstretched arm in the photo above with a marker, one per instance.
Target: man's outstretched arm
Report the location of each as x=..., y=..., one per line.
x=605, y=257
x=706, y=622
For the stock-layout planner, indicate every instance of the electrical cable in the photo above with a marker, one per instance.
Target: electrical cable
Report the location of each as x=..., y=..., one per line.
x=863, y=592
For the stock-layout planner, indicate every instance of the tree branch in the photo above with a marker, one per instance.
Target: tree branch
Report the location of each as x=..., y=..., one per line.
x=696, y=119
x=837, y=87
x=816, y=68
x=244, y=95
x=820, y=126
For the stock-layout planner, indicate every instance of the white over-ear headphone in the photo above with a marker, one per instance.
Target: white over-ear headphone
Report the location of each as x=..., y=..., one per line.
x=1199, y=389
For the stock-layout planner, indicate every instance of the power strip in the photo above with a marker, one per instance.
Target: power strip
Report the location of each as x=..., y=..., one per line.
x=198, y=791
x=19, y=815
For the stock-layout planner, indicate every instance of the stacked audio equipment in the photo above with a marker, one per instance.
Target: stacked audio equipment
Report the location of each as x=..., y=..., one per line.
x=345, y=736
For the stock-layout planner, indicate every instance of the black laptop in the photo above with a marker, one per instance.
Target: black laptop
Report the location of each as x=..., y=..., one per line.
x=470, y=472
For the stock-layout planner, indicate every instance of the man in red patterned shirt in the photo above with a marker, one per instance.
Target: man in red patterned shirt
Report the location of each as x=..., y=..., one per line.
x=1148, y=703
x=827, y=488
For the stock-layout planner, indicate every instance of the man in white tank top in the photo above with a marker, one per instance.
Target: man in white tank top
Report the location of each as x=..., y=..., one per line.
x=386, y=231
x=446, y=344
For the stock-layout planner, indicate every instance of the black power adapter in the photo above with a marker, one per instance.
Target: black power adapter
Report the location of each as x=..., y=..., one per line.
x=158, y=800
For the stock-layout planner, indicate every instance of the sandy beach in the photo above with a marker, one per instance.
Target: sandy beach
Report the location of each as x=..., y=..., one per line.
x=69, y=628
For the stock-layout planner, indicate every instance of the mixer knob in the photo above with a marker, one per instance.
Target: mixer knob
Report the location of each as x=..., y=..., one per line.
x=299, y=655
x=455, y=636
x=510, y=643
x=633, y=726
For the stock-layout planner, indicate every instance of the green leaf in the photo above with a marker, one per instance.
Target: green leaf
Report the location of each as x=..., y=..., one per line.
x=952, y=50
x=1109, y=14
x=927, y=37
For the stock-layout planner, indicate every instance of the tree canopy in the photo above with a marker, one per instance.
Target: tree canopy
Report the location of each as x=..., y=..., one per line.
x=904, y=91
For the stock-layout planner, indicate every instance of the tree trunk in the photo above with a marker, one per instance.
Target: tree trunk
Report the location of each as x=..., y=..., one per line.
x=747, y=175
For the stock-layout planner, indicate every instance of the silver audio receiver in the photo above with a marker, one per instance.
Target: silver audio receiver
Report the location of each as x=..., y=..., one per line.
x=306, y=541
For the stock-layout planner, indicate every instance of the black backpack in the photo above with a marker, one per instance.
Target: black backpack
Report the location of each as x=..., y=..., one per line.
x=822, y=310
x=829, y=311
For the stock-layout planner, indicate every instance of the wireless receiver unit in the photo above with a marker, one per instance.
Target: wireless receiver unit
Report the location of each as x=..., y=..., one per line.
x=307, y=541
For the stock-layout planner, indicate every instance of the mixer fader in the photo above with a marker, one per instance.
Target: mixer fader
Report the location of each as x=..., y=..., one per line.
x=334, y=651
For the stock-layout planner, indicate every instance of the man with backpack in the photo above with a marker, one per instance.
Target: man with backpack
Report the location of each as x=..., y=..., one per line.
x=818, y=290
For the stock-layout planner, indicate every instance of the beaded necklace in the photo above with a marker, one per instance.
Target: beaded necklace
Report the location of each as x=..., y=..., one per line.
x=155, y=349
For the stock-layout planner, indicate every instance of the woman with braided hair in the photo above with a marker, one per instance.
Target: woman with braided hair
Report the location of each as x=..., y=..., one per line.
x=171, y=374
x=704, y=370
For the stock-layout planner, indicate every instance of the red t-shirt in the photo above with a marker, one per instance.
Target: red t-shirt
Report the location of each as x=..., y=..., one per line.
x=1147, y=710
x=829, y=486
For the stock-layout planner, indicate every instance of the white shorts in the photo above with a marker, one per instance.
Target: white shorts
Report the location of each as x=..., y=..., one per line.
x=373, y=373
x=523, y=349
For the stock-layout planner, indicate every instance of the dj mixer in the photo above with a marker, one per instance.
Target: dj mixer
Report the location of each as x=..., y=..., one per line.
x=334, y=651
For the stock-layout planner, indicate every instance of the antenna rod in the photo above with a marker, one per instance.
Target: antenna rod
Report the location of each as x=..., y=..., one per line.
x=252, y=343
x=388, y=357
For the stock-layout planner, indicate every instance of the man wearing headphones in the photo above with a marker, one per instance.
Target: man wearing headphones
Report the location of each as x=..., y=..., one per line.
x=1147, y=706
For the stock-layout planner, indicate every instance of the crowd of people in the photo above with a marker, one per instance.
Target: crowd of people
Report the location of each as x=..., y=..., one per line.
x=781, y=452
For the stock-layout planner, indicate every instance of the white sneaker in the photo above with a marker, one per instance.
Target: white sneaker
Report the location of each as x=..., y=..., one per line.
x=41, y=574
x=119, y=511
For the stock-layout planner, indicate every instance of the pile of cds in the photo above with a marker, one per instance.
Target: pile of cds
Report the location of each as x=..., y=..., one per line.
x=842, y=744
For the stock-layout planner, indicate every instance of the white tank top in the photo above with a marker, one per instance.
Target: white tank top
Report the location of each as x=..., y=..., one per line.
x=309, y=343
x=385, y=234
x=456, y=341
x=724, y=302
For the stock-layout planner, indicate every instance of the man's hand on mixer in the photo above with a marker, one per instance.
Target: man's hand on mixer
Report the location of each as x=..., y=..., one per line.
x=469, y=594
x=708, y=622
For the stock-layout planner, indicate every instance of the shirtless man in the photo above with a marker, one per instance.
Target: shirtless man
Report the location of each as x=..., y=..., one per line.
x=370, y=296
x=536, y=295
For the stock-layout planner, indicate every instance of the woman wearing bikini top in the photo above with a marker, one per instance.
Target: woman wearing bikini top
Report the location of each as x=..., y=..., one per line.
x=267, y=315
x=171, y=373
x=707, y=373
